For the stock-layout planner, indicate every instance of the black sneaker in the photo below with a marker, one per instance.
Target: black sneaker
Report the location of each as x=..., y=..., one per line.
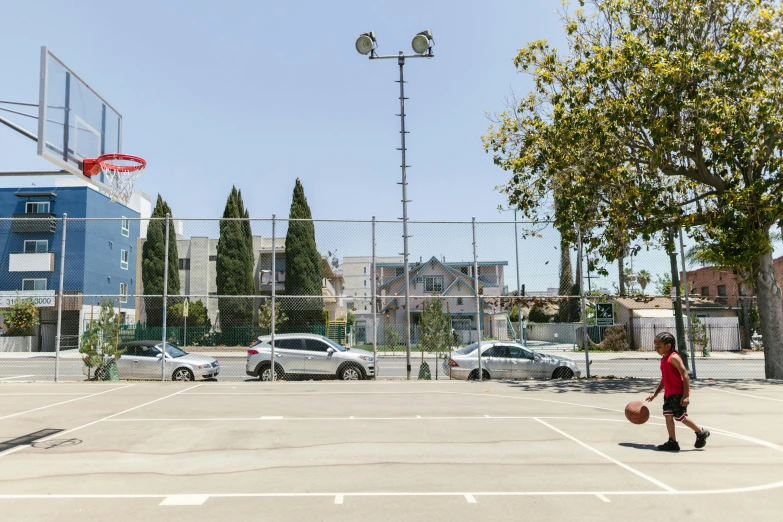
x=701, y=438
x=669, y=445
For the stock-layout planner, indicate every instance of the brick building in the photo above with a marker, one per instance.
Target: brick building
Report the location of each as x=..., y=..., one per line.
x=719, y=282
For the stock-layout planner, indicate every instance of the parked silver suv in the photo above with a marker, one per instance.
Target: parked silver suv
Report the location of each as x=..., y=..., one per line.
x=307, y=355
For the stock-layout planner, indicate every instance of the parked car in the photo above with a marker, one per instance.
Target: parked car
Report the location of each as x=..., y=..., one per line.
x=508, y=360
x=307, y=355
x=141, y=360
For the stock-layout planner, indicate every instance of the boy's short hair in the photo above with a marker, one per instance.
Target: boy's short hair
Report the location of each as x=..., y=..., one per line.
x=667, y=338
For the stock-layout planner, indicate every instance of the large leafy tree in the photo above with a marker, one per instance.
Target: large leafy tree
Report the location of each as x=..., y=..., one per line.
x=663, y=113
x=235, y=265
x=153, y=262
x=303, y=270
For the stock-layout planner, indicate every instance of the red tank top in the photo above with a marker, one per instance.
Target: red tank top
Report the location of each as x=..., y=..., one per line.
x=672, y=380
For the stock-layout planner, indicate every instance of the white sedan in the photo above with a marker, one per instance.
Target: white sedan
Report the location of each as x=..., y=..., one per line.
x=508, y=360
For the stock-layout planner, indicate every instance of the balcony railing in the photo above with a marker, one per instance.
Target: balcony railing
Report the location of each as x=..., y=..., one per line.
x=30, y=223
x=31, y=262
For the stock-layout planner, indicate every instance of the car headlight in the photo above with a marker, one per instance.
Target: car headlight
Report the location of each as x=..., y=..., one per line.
x=202, y=366
x=366, y=358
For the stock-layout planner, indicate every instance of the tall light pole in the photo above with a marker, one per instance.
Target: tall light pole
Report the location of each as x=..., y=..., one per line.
x=422, y=45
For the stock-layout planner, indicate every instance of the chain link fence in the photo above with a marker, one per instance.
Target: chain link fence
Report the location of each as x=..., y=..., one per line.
x=282, y=299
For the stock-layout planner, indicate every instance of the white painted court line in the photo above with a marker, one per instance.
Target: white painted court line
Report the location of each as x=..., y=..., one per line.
x=602, y=497
x=745, y=394
x=16, y=377
x=460, y=494
x=610, y=459
x=184, y=500
x=65, y=402
x=471, y=499
x=62, y=434
x=352, y=417
x=338, y=499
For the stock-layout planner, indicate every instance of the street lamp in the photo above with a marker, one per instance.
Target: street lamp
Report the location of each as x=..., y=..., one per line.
x=422, y=45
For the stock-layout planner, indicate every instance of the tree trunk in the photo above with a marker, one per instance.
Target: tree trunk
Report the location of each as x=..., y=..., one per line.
x=682, y=348
x=770, y=306
x=566, y=281
x=745, y=305
x=621, y=267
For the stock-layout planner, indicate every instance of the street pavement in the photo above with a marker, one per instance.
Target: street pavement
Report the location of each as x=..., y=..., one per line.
x=41, y=368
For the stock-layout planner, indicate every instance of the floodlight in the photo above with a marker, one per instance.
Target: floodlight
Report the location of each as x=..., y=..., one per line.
x=366, y=42
x=421, y=42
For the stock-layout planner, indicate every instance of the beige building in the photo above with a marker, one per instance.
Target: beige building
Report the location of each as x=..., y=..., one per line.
x=198, y=274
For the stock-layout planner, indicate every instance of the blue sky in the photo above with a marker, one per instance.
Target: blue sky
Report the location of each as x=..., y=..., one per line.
x=256, y=94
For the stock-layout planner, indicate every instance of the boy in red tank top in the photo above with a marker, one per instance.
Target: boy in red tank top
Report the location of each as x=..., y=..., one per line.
x=676, y=396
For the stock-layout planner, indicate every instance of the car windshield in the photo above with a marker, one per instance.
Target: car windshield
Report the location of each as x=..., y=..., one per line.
x=334, y=344
x=468, y=349
x=173, y=351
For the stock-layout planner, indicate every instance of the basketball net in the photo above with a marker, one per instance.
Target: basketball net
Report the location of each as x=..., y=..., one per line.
x=120, y=183
x=120, y=172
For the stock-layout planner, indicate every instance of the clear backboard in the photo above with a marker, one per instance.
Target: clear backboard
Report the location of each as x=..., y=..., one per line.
x=74, y=121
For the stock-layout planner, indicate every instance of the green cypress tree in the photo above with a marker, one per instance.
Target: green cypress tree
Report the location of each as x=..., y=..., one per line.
x=153, y=262
x=234, y=268
x=303, y=270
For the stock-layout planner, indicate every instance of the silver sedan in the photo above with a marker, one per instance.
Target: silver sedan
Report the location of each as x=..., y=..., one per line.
x=141, y=360
x=508, y=360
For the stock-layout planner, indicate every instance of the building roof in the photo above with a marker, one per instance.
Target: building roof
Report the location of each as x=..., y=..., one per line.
x=448, y=263
x=663, y=303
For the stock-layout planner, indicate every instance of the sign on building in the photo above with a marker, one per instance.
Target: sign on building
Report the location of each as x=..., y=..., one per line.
x=40, y=298
x=604, y=314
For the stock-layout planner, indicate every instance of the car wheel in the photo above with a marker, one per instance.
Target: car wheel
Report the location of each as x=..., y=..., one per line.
x=563, y=373
x=100, y=373
x=474, y=375
x=265, y=372
x=182, y=374
x=351, y=373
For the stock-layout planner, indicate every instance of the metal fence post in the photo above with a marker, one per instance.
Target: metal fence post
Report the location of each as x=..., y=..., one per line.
x=585, y=338
x=165, y=299
x=58, y=339
x=478, y=302
x=687, y=305
x=273, y=321
x=373, y=302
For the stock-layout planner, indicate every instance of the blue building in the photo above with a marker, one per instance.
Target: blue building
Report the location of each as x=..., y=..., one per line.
x=100, y=254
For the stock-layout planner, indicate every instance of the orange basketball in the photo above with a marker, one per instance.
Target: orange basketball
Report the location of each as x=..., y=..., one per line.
x=637, y=412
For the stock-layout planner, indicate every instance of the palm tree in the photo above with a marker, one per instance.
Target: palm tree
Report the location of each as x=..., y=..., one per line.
x=643, y=278
x=630, y=279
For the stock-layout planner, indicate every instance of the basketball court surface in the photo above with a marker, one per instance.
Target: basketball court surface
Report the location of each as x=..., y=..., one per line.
x=383, y=451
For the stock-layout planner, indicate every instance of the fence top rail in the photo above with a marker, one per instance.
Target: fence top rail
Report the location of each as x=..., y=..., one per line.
x=269, y=220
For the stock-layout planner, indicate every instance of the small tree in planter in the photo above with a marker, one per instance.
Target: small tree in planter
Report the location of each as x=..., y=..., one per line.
x=101, y=345
x=265, y=317
x=435, y=332
x=21, y=318
x=700, y=337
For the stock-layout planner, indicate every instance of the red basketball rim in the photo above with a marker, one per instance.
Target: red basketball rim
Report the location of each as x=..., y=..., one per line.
x=92, y=166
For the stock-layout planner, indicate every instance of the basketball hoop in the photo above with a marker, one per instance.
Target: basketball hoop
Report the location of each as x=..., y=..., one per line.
x=120, y=172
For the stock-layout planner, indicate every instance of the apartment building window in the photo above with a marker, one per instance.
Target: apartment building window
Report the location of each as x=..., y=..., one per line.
x=400, y=270
x=365, y=270
x=33, y=284
x=184, y=264
x=433, y=284
x=124, y=259
x=36, y=246
x=123, y=292
x=213, y=259
x=722, y=294
x=36, y=207
x=705, y=290
x=365, y=284
x=459, y=301
x=125, y=226
x=464, y=270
